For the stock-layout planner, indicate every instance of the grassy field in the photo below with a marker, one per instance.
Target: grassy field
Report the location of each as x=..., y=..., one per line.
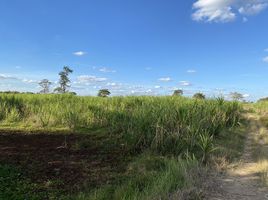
x=109, y=148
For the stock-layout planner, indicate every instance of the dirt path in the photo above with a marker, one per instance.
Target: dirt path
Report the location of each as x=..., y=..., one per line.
x=243, y=182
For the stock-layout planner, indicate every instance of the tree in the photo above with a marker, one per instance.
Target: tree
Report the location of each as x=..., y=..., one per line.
x=72, y=93
x=45, y=84
x=199, y=95
x=263, y=99
x=178, y=92
x=104, y=93
x=236, y=96
x=64, y=80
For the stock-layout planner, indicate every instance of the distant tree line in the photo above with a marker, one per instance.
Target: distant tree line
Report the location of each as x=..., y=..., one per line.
x=15, y=92
x=263, y=99
x=64, y=84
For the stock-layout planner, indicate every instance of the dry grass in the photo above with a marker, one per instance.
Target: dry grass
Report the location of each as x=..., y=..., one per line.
x=260, y=146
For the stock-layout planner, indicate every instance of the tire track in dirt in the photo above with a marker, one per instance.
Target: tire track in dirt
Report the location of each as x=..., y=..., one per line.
x=243, y=182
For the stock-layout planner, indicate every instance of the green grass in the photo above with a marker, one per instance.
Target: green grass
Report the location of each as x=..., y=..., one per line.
x=229, y=146
x=167, y=125
x=167, y=137
x=149, y=177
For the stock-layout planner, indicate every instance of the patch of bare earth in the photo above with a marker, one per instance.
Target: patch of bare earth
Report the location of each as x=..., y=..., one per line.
x=58, y=161
x=242, y=182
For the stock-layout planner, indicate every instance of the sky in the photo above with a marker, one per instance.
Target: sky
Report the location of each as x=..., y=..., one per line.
x=141, y=47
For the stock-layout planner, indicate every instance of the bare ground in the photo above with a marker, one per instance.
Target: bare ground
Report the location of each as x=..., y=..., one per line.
x=243, y=181
x=66, y=162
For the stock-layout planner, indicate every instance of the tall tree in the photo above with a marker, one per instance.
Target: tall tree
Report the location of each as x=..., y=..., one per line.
x=45, y=85
x=236, y=96
x=64, y=80
x=104, y=93
x=178, y=92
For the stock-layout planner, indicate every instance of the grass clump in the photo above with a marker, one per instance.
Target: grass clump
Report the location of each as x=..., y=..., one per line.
x=149, y=177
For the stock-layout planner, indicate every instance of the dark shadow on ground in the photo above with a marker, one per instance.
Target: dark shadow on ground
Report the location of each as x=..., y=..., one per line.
x=63, y=161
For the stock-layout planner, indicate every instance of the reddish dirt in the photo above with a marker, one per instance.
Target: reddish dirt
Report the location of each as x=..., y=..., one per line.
x=60, y=158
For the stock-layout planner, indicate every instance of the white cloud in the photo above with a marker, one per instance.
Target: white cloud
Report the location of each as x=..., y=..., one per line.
x=114, y=85
x=157, y=86
x=29, y=81
x=7, y=77
x=79, y=53
x=111, y=84
x=12, y=77
x=226, y=10
x=246, y=95
x=265, y=59
x=185, y=83
x=143, y=92
x=266, y=50
x=213, y=10
x=165, y=79
x=191, y=71
x=90, y=79
x=106, y=70
x=252, y=8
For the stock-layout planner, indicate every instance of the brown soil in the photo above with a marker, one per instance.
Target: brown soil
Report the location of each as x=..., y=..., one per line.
x=70, y=161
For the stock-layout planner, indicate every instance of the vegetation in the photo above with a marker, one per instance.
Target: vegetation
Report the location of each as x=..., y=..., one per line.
x=164, y=124
x=199, y=96
x=178, y=92
x=64, y=80
x=263, y=99
x=260, y=150
x=236, y=96
x=45, y=84
x=104, y=93
x=160, y=140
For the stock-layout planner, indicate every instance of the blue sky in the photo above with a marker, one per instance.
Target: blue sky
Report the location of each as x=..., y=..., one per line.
x=136, y=47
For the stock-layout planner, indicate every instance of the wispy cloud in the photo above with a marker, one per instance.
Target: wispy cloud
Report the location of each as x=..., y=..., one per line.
x=7, y=77
x=106, y=70
x=265, y=59
x=253, y=8
x=185, y=83
x=111, y=84
x=165, y=79
x=90, y=79
x=266, y=50
x=148, y=68
x=217, y=11
x=79, y=53
x=191, y=71
x=29, y=81
x=226, y=10
x=246, y=95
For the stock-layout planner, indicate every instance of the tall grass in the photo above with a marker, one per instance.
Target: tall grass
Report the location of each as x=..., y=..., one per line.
x=167, y=125
x=150, y=177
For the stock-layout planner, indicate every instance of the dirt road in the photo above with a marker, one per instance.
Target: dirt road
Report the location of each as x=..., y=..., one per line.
x=243, y=182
